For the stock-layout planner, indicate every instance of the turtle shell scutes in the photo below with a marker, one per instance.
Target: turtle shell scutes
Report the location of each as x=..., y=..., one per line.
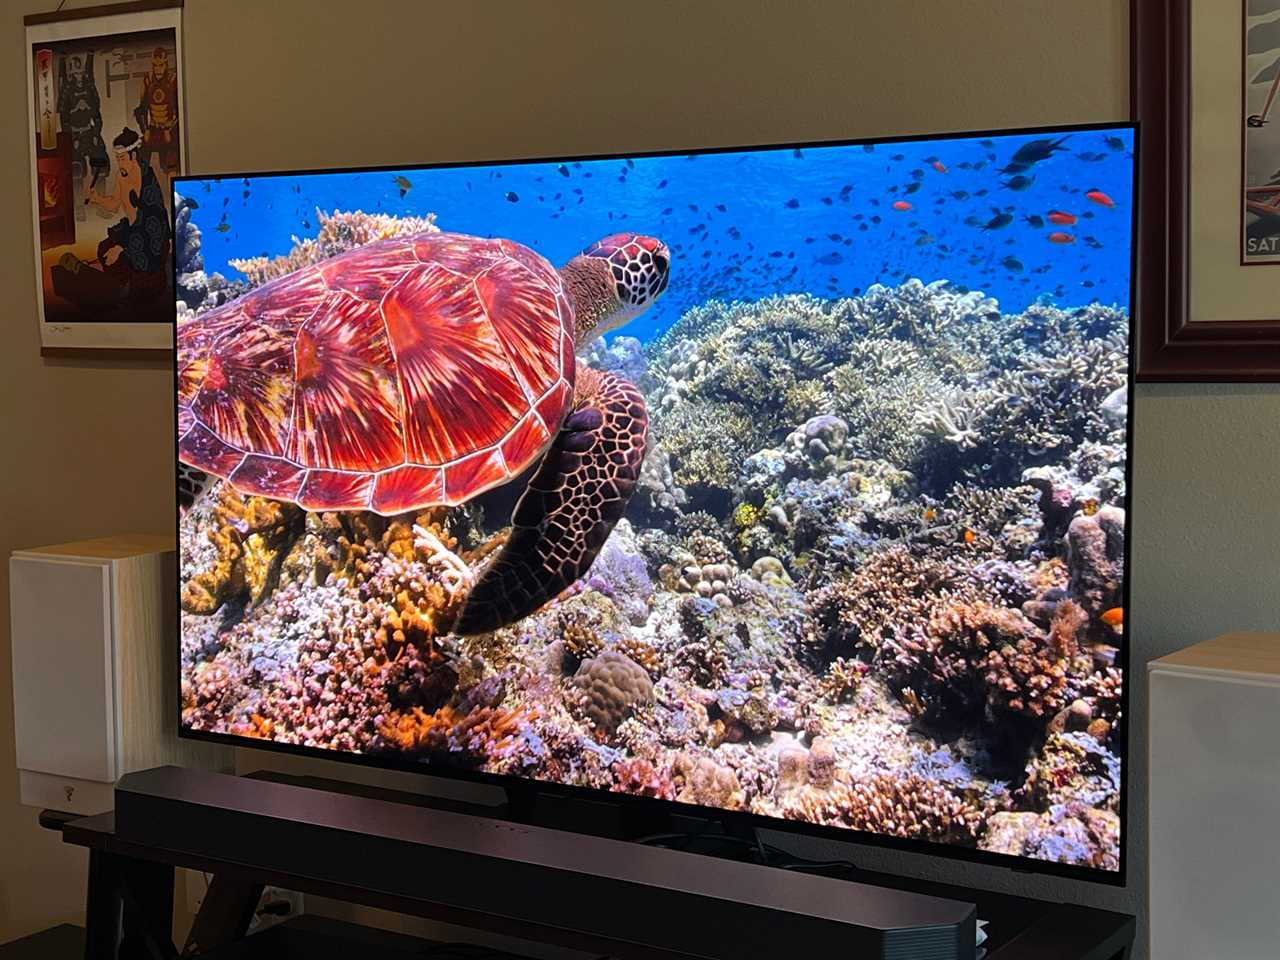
x=407, y=373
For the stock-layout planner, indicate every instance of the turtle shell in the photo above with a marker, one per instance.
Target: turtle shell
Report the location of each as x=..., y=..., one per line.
x=408, y=373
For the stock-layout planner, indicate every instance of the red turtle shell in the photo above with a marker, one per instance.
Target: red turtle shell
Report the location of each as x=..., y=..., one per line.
x=408, y=373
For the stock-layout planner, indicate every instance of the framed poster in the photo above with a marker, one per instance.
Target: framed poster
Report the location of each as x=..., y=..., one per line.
x=1260, y=220
x=106, y=135
x=1208, y=305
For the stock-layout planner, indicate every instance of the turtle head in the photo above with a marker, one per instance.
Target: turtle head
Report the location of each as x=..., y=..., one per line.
x=615, y=280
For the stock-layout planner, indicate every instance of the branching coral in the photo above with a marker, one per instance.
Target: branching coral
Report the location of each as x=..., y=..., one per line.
x=893, y=588
x=483, y=734
x=252, y=536
x=639, y=777
x=1029, y=673
x=842, y=679
x=901, y=806
x=937, y=667
x=338, y=232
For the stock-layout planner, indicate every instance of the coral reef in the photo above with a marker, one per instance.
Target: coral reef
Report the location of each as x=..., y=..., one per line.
x=870, y=578
x=339, y=232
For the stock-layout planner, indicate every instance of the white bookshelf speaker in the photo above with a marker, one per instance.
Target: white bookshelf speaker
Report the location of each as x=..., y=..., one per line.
x=95, y=685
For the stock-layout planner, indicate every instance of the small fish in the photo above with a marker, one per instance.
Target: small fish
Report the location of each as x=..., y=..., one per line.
x=986, y=143
x=1062, y=218
x=1059, y=236
x=1114, y=143
x=792, y=204
x=830, y=259
x=223, y=227
x=1018, y=184
x=912, y=187
x=959, y=194
x=1038, y=150
x=902, y=205
x=512, y=196
x=1090, y=507
x=797, y=154
x=969, y=536
x=924, y=240
x=939, y=166
x=1035, y=220
x=1100, y=198
x=564, y=171
x=631, y=164
x=192, y=203
x=722, y=208
x=868, y=148
x=1013, y=264
x=1114, y=617
x=404, y=183
x=661, y=184
x=999, y=221
x=930, y=514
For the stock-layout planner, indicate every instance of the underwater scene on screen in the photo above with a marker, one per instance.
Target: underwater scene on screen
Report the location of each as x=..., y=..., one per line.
x=789, y=481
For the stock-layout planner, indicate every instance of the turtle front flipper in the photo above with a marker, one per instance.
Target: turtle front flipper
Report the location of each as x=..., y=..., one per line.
x=572, y=503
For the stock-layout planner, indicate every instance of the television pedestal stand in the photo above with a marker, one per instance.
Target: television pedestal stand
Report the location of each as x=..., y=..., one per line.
x=424, y=857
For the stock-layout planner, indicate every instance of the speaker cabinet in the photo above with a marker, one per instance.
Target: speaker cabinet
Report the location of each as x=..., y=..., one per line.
x=95, y=684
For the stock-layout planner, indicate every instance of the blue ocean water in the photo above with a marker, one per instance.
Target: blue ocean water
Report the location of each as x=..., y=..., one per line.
x=829, y=221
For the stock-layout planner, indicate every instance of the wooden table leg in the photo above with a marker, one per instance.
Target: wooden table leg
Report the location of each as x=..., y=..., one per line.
x=225, y=913
x=103, y=907
x=147, y=922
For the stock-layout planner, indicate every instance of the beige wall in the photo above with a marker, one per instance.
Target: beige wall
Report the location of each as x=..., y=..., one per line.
x=84, y=447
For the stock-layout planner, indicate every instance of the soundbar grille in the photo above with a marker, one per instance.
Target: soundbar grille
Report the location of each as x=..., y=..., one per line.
x=927, y=944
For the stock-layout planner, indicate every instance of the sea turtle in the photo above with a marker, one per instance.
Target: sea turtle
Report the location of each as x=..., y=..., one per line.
x=424, y=370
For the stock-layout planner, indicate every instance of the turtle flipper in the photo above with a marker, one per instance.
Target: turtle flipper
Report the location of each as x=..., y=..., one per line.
x=572, y=503
x=192, y=485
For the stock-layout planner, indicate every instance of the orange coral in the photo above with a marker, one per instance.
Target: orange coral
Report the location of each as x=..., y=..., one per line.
x=258, y=727
x=645, y=654
x=639, y=777
x=483, y=733
x=252, y=536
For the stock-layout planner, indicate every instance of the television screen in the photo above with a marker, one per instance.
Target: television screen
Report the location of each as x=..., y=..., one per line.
x=786, y=481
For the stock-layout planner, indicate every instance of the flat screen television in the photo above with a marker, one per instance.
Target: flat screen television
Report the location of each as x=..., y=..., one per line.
x=785, y=482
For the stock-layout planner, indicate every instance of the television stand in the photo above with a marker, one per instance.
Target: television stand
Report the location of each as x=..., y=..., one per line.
x=428, y=858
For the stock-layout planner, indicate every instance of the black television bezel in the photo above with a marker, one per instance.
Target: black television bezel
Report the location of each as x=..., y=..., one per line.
x=1030, y=865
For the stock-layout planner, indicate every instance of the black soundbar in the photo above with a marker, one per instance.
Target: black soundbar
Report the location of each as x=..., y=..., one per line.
x=652, y=898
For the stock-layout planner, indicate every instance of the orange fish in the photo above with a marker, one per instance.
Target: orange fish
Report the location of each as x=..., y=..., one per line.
x=970, y=536
x=1061, y=218
x=902, y=205
x=1098, y=197
x=1090, y=507
x=939, y=166
x=1113, y=617
x=930, y=513
x=1059, y=237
